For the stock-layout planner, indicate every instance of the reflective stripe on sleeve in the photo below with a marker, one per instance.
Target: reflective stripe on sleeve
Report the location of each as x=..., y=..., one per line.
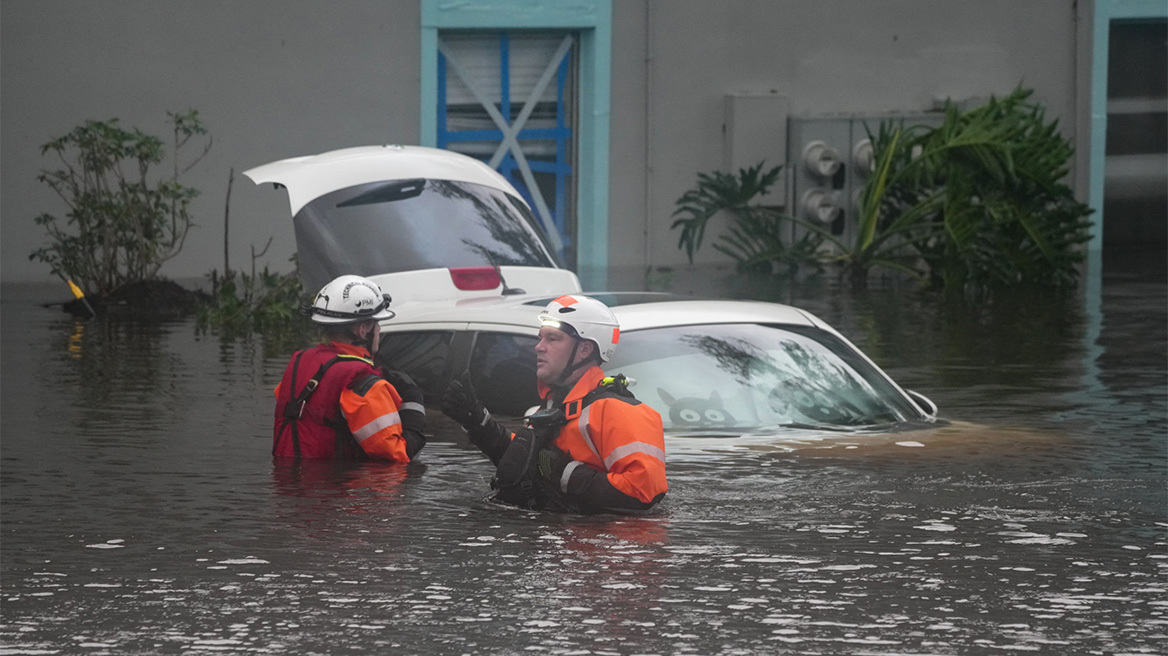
x=584, y=430
x=567, y=475
x=378, y=424
x=413, y=405
x=631, y=448
x=621, y=451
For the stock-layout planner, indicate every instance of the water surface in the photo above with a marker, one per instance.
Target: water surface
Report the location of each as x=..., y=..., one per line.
x=141, y=512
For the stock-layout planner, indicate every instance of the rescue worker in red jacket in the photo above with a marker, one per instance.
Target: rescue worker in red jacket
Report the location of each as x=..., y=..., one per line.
x=592, y=447
x=332, y=402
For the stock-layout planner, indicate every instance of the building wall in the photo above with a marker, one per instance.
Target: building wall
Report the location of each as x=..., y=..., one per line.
x=279, y=78
x=828, y=57
x=270, y=78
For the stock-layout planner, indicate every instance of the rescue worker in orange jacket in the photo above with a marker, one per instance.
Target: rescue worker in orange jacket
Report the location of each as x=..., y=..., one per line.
x=592, y=447
x=332, y=402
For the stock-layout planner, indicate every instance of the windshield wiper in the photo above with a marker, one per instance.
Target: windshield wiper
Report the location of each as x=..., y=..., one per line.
x=507, y=291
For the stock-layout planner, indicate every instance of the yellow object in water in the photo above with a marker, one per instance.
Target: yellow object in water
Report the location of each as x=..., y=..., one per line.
x=80, y=295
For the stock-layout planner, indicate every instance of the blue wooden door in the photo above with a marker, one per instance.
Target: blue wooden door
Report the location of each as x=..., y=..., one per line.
x=508, y=99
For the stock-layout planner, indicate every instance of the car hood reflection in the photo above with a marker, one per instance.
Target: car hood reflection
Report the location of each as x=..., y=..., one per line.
x=950, y=437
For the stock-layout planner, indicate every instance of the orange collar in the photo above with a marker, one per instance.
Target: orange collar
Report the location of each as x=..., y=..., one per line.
x=351, y=349
x=587, y=382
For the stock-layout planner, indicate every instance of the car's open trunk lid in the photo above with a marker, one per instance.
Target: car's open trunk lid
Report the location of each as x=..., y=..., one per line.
x=381, y=210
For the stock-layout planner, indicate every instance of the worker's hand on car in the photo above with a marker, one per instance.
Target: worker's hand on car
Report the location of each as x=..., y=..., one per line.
x=460, y=404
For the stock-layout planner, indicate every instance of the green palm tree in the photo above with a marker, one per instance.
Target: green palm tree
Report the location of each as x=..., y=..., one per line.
x=759, y=237
x=886, y=226
x=1005, y=215
x=976, y=203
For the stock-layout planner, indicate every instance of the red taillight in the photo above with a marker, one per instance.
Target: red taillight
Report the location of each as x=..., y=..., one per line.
x=470, y=279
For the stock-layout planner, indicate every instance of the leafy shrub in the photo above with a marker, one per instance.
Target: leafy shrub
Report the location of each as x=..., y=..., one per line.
x=759, y=235
x=887, y=226
x=121, y=225
x=1002, y=215
x=263, y=303
x=976, y=204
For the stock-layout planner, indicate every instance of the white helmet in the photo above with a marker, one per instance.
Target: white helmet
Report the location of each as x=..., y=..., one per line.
x=350, y=299
x=586, y=318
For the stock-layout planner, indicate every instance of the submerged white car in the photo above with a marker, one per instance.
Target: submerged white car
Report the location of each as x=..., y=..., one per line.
x=469, y=270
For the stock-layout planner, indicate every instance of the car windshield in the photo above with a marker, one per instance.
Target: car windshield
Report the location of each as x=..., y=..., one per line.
x=750, y=377
x=408, y=225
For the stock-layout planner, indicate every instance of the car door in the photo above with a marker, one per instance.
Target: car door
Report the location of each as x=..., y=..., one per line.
x=500, y=365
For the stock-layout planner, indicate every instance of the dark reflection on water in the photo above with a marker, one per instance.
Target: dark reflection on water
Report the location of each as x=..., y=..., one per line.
x=141, y=512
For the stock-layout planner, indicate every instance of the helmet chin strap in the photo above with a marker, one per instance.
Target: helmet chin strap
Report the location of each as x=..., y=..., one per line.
x=571, y=367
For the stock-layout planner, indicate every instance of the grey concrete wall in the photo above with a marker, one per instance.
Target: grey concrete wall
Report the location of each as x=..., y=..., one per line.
x=827, y=57
x=278, y=78
x=270, y=78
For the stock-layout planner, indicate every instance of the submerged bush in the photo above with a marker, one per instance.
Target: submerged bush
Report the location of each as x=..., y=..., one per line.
x=122, y=221
x=1002, y=214
x=758, y=236
x=977, y=204
x=264, y=303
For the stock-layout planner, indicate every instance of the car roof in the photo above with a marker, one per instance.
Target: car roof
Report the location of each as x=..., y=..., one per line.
x=634, y=311
x=310, y=177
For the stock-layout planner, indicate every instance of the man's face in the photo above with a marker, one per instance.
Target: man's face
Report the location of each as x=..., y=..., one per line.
x=376, y=338
x=551, y=354
x=369, y=330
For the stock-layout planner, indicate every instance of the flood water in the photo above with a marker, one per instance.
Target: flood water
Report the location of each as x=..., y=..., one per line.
x=141, y=512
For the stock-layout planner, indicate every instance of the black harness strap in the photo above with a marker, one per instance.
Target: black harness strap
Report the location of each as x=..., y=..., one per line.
x=612, y=387
x=295, y=407
x=287, y=406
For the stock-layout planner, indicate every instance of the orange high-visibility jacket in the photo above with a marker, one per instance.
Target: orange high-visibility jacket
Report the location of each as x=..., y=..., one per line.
x=351, y=405
x=619, y=436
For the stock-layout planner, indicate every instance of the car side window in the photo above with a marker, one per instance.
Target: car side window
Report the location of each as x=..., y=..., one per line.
x=421, y=355
x=502, y=370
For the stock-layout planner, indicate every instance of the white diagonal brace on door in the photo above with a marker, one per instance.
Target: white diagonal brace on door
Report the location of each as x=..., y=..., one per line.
x=542, y=212
x=511, y=135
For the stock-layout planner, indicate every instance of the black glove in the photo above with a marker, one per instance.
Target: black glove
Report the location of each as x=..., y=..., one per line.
x=412, y=411
x=552, y=462
x=460, y=404
x=406, y=388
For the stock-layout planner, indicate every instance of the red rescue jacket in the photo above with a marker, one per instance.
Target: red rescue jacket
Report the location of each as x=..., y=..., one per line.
x=351, y=413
